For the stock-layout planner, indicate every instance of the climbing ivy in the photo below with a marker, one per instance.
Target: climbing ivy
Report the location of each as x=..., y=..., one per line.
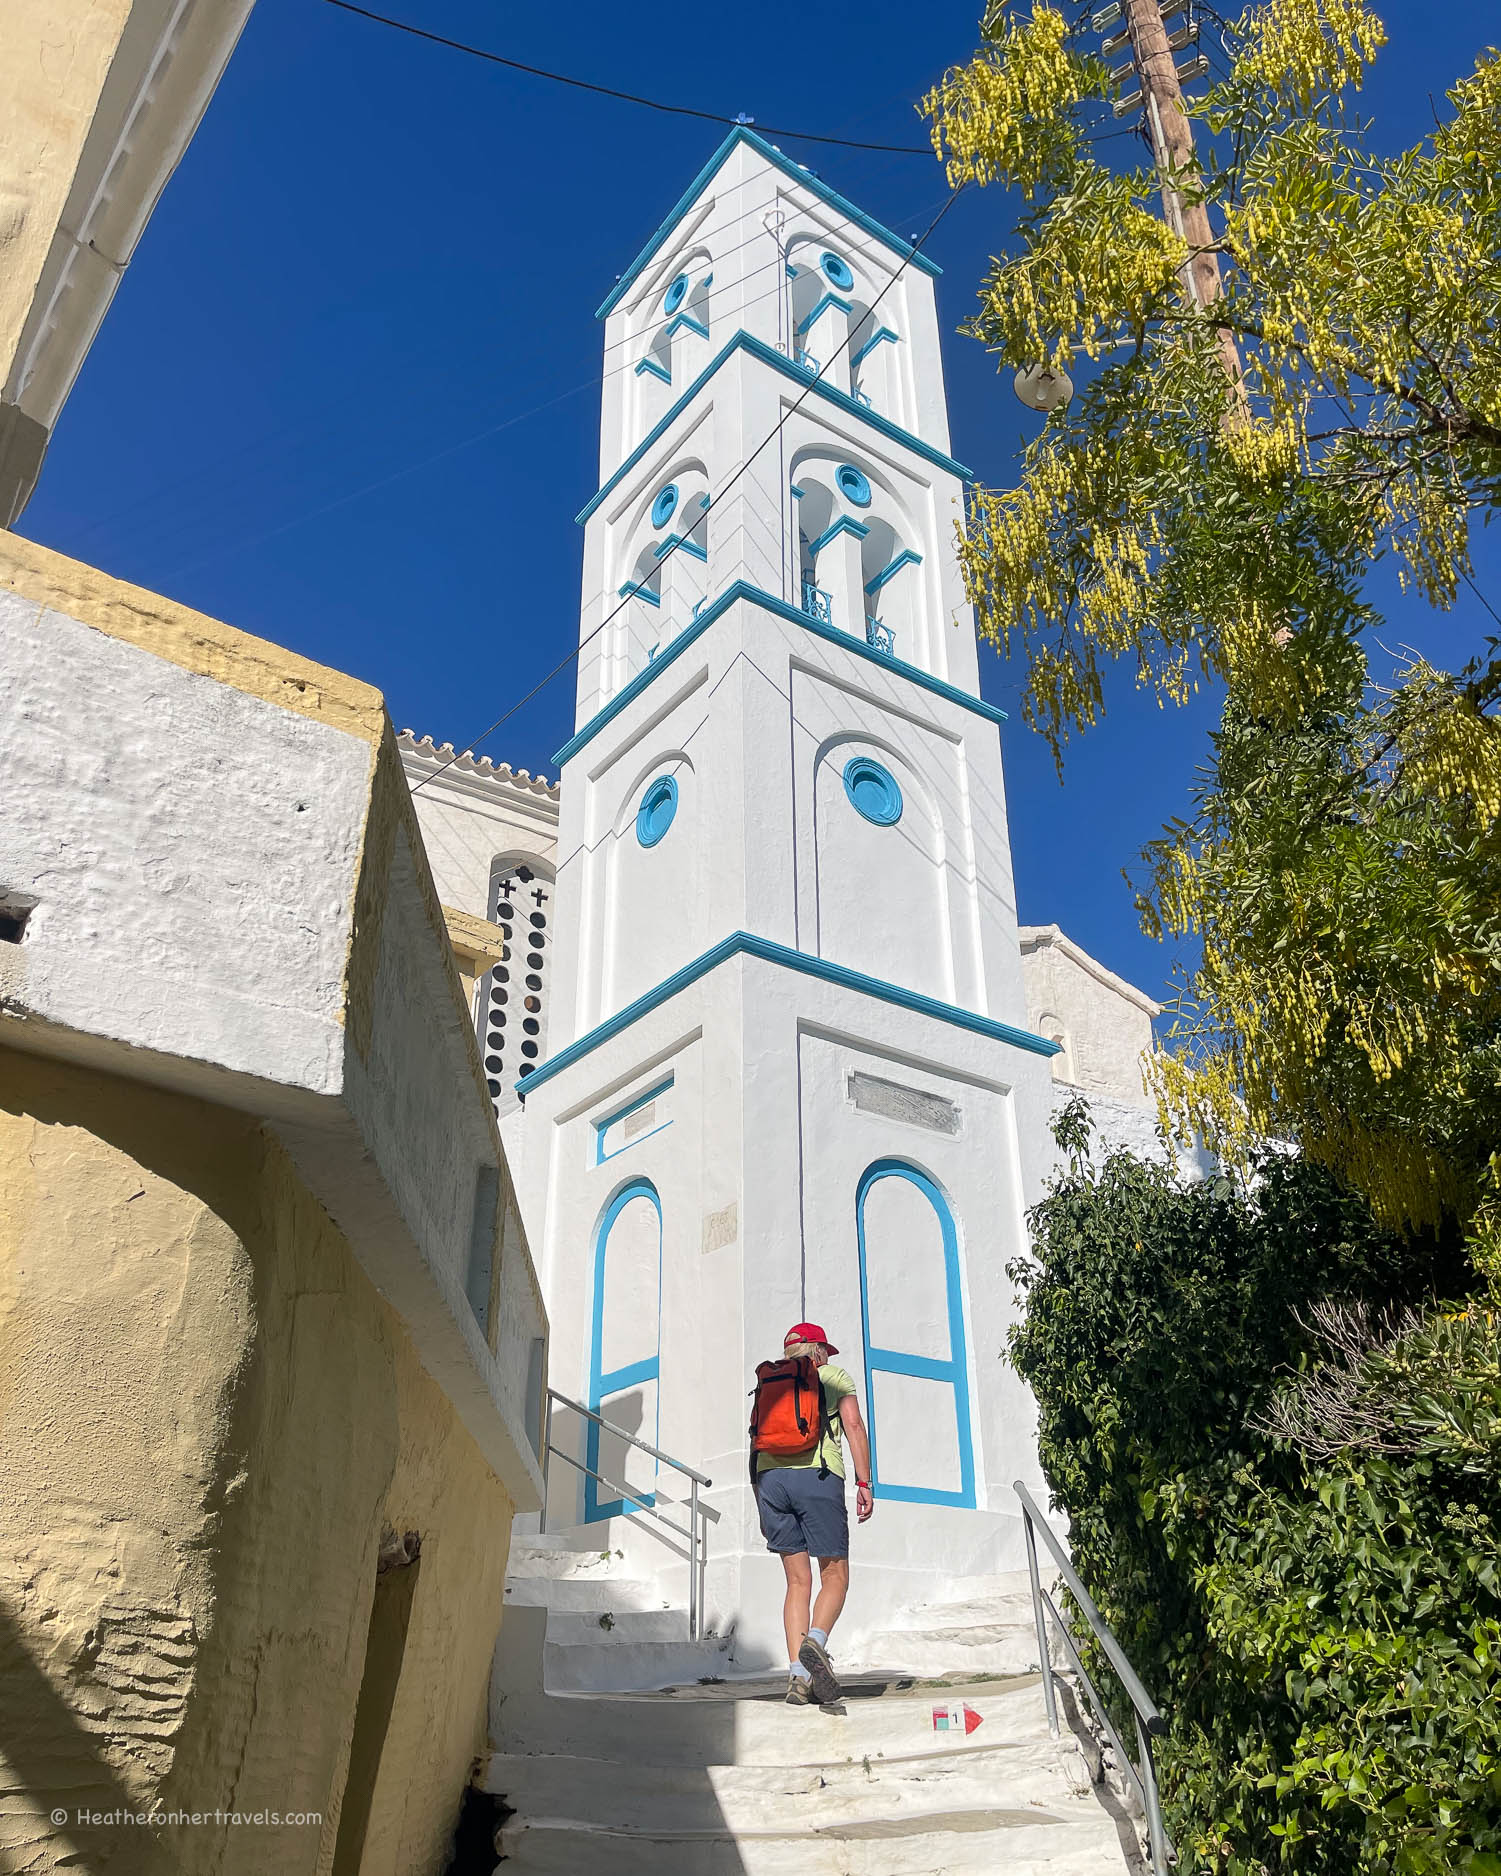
x=1281, y=1463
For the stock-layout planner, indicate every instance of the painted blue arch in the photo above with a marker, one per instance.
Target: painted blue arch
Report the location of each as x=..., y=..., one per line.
x=603, y=1384
x=954, y=1372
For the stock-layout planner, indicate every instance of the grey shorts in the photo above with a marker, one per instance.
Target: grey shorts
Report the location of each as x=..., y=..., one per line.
x=801, y=1511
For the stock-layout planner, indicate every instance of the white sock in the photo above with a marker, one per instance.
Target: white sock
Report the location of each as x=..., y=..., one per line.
x=819, y=1635
x=798, y=1671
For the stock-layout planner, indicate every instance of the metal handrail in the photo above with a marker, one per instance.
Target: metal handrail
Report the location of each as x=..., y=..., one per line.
x=693, y=1531
x=1149, y=1722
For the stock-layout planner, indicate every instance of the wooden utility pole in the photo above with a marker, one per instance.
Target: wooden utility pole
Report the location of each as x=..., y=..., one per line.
x=1143, y=28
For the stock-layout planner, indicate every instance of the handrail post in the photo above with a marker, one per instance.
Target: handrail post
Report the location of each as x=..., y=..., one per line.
x=546, y=1455
x=1156, y=1836
x=694, y=1621
x=1042, y=1634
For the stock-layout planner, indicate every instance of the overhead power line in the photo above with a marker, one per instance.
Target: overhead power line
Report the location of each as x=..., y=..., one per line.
x=765, y=443
x=625, y=97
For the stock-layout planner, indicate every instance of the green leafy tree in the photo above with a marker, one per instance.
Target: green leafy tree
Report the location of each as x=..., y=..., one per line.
x=1282, y=1488
x=1208, y=507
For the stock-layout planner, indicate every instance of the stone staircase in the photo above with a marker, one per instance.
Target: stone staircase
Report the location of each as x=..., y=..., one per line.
x=602, y=1627
x=938, y=1762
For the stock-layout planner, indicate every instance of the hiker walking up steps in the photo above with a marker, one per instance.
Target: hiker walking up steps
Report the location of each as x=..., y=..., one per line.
x=803, y=1408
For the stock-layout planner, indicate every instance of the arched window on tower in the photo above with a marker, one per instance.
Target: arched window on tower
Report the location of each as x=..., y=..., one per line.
x=889, y=583
x=680, y=326
x=873, y=358
x=669, y=577
x=513, y=996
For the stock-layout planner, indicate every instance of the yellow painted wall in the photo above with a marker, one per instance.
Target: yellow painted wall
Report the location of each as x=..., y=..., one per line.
x=50, y=79
x=207, y=1414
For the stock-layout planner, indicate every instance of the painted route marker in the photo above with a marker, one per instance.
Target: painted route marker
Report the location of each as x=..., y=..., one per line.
x=960, y=1718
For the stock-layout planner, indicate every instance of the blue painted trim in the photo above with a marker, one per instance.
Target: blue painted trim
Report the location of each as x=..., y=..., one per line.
x=846, y=524
x=641, y=592
x=746, y=943
x=828, y=300
x=651, y=365
x=836, y=269
x=864, y=771
x=685, y=541
x=954, y=1371
x=675, y=295
x=794, y=615
x=664, y=504
x=634, y=1373
x=768, y=355
x=658, y=810
x=687, y=323
x=906, y=558
x=742, y=134
x=796, y=491
x=873, y=341
x=602, y=1127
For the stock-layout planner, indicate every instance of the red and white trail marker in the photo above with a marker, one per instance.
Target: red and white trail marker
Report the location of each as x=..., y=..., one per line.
x=959, y=1718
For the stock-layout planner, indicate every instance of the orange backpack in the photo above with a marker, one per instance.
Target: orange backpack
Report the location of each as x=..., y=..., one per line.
x=788, y=1412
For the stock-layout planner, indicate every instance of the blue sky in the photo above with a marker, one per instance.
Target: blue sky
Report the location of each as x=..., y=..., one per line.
x=347, y=396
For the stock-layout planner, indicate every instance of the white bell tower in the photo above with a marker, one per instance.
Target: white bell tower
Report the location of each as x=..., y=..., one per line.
x=788, y=1072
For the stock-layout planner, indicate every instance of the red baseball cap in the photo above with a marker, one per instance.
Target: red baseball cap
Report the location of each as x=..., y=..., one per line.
x=809, y=1332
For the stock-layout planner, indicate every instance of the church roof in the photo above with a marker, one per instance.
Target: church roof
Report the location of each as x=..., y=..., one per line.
x=741, y=134
x=467, y=763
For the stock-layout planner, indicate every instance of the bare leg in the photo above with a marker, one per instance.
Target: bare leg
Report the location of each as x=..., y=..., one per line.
x=833, y=1587
x=799, y=1590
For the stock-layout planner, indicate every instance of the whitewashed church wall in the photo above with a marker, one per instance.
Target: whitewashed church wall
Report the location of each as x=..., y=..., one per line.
x=467, y=824
x=1103, y=1023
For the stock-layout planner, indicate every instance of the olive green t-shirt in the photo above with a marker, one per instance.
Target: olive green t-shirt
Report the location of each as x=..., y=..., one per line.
x=830, y=1451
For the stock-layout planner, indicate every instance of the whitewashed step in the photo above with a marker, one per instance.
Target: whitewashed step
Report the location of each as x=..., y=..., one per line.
x=563, y=1555
x=582, y=1592
x=615, y=1628
x=1004, y=1648
x=606, y=1794
x=603, y=1664
x=968, y=1844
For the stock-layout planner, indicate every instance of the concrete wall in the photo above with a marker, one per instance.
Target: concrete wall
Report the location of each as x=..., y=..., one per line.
x=209, y=1415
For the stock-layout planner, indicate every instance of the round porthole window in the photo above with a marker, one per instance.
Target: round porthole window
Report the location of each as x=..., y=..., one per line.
x=658, y=805
x=676, y=294
x=836, y=272
x=873, y=791
x=665, y=506
x=852, y=485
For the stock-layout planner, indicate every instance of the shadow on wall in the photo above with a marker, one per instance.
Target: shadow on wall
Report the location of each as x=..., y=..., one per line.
x=52, y=1765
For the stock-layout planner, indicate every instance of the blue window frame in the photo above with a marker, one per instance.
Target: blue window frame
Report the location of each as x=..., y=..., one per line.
x=602, y=1384
x=873, y=790
x=952, y=1373
x=836, y=271
x=852, y=485
x=662, y=508
x=658, y=806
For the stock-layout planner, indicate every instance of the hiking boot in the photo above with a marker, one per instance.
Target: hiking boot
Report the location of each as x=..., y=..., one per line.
x=799, y=1693
x=826, y=1688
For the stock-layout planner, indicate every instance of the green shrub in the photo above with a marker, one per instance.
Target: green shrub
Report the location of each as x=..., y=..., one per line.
x=1285, y=1500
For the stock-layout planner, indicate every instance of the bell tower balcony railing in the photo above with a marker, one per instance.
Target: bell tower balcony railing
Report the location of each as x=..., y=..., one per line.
x=880, y=637
x=817, y=603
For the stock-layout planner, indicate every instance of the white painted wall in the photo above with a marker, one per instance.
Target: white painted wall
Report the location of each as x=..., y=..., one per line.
x=193, y=854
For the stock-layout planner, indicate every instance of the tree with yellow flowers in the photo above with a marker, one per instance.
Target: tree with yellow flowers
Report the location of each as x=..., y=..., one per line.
x=1341, y=865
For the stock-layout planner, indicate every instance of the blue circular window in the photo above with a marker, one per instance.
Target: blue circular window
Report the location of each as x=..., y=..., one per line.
x=663, y=508
x=873, y=791
x=676, y=294
x=836, y=272
x=658, y=805
x=852, y=485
